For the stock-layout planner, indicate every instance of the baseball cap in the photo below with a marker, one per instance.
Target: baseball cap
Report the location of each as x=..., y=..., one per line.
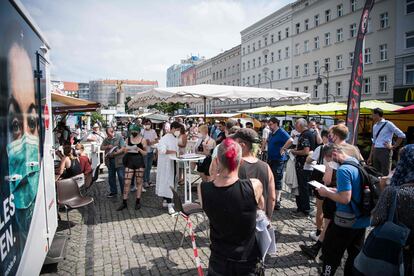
x=246, y=134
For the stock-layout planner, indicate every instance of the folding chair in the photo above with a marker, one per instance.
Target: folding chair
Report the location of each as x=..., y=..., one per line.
x=70, y=197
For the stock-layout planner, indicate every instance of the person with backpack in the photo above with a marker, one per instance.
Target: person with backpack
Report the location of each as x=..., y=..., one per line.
x=347, y=230
x=382, y=148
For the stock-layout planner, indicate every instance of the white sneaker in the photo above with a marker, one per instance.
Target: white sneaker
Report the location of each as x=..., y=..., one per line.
x=133, y=189
x=170, y=209
x=143, y=190
x=313, y=236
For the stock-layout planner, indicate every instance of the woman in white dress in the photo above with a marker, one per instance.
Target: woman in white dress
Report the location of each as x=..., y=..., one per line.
x=168, y=145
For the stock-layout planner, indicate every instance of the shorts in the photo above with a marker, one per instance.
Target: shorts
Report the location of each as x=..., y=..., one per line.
x=328, y=208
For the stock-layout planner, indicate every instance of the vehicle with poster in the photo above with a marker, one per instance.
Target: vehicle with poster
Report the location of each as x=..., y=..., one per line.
x=28, y=212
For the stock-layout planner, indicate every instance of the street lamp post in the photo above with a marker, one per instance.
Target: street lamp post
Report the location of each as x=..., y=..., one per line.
x=248, y=85
x=270, y=84
x=319, y=80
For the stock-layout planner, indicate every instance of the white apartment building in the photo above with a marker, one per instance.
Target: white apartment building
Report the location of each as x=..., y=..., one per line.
x=203, y=76
x=404, y=53
x=286, y=49
x=324, y=36
x=203, y=72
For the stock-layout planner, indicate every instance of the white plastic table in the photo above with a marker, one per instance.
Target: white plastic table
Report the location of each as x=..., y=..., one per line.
x=187, y=172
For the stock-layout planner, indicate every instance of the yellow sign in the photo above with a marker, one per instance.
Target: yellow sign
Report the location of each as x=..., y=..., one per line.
x=410, y=92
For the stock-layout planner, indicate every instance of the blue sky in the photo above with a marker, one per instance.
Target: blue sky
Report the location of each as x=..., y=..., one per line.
x=127, y=39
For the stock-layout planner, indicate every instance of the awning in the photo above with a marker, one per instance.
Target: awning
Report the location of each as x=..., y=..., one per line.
x=65, y=104
x=202, y=92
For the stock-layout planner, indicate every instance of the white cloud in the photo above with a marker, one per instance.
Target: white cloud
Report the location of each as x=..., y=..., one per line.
x=95, y=39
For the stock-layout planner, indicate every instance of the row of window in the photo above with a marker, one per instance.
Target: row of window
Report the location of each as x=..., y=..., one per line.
x=226, y=72
x=383, y=56
x=339, y=88
x=384, y=23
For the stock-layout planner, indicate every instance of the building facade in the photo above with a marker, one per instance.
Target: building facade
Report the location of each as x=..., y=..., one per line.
x=287, y=49
x=404, y=54
x=105, y=91
x=188, y=76
x=226, y=67
x=323, y=38
x=83, y=90
x=68, y=88
x=203, y=71
x=175, y=70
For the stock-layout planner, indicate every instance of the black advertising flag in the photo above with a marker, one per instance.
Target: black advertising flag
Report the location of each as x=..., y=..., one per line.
x=355, y=89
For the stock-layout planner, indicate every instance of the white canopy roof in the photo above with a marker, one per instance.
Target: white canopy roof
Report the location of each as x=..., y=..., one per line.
x=198, y=93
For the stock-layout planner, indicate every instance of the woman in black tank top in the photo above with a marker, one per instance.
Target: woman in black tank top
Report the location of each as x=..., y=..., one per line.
x=231, y=205
x=134, y=165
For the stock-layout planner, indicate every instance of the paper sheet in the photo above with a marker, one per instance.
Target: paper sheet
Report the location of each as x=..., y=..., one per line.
x=320, y=168
x=315, y=184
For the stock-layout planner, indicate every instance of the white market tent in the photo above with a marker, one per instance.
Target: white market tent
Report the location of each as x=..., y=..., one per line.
x=202, y=92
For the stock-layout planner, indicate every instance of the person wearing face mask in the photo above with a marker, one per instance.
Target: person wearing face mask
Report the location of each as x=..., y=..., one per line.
x=168, y=145
x=133, y=161
x=85, y=163
x=151, y=137
x=205, y=145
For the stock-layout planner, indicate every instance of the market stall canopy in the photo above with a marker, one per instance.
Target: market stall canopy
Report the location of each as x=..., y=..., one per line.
x=367, y=106
x=155, y=118
x=65, y=104
x=406, y=110
x=200, y=93
x=221, y=115
x=244, y=118
x=257, y=110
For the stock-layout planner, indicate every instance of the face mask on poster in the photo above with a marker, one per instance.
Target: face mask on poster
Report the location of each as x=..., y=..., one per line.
x=24, y=169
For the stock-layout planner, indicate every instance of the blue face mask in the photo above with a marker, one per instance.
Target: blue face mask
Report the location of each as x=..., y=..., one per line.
x=24, y=169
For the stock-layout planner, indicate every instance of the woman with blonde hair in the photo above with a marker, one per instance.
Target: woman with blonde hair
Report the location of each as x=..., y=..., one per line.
x=205, y=145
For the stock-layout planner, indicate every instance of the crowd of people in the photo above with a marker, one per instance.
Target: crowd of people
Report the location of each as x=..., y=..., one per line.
x=243, y=171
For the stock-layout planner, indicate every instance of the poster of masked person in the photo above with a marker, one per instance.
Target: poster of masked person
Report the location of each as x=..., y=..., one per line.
x=19, y=138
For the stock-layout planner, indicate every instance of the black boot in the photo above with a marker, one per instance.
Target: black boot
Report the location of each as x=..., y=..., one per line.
x=311, y=251
x=123, y=205
x=138, y=204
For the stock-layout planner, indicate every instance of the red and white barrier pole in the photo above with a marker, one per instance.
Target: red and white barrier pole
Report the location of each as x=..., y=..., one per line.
x=197, y=259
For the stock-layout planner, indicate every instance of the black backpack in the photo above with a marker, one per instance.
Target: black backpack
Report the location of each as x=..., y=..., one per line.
x=369, y=187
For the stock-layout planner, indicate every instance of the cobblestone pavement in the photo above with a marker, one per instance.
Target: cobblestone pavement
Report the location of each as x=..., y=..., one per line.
x=107, y=242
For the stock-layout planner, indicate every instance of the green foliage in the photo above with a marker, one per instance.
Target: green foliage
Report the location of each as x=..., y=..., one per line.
x=168, y=108
x=97, y=117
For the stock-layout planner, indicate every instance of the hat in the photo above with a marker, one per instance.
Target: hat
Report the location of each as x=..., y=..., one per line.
x=134, y=127
x=246, y=134
x=95, y=125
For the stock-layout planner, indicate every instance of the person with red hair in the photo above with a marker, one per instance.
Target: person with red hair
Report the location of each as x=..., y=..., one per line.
x=231, y=205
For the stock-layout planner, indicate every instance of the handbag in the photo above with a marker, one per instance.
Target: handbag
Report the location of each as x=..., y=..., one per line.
x=382, y=253
x=344, y=219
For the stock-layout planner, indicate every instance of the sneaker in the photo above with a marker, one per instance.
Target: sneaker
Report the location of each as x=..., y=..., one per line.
x=145, y=185
x=171, y=210
x=311, y=251
x=111, y=195
x=143, y=190
x=313, y=235
x=164, y=204
x=133, y=189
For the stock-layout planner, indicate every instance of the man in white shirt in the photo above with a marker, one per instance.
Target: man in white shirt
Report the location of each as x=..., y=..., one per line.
x=265, y=135
x=382, y=147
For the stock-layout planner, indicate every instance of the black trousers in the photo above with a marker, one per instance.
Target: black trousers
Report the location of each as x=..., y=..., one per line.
x=337, y=240
x=219, y=266
x=302, y=200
